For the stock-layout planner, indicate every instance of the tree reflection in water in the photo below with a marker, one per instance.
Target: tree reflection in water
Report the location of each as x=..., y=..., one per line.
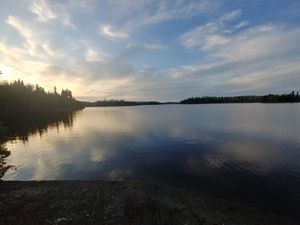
x=15, y=127
x=4, y=153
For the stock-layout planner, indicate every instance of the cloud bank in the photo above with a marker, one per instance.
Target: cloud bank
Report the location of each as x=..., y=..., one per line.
x=151, y=50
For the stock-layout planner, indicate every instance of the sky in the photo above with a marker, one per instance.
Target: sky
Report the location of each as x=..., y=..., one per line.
x=165, y=50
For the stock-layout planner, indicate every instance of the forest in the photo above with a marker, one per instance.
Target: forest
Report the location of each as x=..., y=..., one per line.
x=17, y=97
x=26, y=109
x=270, y=98
x=114, y=102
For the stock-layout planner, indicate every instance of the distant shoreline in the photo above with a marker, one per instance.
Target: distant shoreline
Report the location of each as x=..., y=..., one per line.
x=177, y=103
x=270, y=98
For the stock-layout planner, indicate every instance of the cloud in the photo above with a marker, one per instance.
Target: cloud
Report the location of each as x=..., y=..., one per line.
x=47, y=11
x=231, y=15
x=241, y=24
x=204, y=37
x=139, y=48
x=66, y=21
x=256, y=43
x=42, y=9
x=109, y=33
x=212, y=34
x=147, y=46
x=260, y=42
x=36, y=40
x=222, y=54
x=26, y=31
x=20, y=26
x=147, y=13
x=84, y=4
x=260, y=58
x=92, y=55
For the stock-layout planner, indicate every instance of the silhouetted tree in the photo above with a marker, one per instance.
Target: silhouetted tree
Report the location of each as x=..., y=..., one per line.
x=270, y=98
x=114, y=102
x=4, y=153
x=17, y=97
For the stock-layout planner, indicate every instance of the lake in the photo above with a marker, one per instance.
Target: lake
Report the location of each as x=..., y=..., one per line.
x=246, y=152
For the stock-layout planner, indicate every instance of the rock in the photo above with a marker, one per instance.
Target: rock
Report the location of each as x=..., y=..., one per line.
x=120, y=203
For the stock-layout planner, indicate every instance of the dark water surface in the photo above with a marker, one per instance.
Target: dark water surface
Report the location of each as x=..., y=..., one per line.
x=247, y=152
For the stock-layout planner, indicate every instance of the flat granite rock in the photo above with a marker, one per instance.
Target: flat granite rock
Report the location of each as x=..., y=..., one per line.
x=119, y=203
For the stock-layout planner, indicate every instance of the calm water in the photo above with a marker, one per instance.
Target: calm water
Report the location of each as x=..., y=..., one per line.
x=250, y=152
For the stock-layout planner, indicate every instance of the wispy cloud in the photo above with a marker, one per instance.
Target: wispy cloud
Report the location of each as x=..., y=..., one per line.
x=185, y=45
x=260, y=58
x=107, y=31
x=231, y=15
x=263, y=41
x=26, y=31
x=35, y=39
x=92, y=55
x=168, y=10
x=147, y=46
x=212, y=34
x=45, y=12
x=241, y=24
x=42, y=10
x=204, y=37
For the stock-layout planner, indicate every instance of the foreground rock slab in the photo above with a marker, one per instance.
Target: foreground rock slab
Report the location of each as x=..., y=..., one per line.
x=119, y=203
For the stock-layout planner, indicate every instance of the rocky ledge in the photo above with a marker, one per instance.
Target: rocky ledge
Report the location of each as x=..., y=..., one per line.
x=122, y=203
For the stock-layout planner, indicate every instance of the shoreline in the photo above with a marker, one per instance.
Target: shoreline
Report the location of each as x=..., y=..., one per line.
x=185, y=104
x=120, y=202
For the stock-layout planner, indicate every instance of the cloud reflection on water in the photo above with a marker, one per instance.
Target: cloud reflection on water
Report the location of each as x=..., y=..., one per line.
x=104, y=140
x=233, y=149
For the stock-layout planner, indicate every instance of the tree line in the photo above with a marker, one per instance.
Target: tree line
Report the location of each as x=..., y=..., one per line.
x=115, y=102
x=270, y=98
x=17, y=97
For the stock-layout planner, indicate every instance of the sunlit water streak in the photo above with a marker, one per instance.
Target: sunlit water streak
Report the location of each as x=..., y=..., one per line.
x=248, y=152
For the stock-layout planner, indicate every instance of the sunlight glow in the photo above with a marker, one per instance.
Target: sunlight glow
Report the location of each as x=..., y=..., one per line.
x=5, y=73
